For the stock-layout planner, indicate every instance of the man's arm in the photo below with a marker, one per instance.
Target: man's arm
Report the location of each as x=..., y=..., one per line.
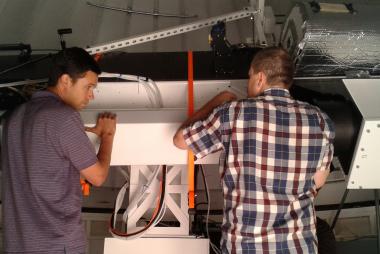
x=323, y=171
x=105, y=128
x=202, y=113
x=320, y=177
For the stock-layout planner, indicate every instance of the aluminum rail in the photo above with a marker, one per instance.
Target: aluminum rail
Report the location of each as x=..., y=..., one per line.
x=164, y=33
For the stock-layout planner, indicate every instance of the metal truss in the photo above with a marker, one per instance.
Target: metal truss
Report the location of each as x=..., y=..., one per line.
x=164, y=33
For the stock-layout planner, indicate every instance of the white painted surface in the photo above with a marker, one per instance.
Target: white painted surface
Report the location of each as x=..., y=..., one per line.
x=145, y=137
x=365, y=93
x=157, y=246
x=132, y=95
x=365, y=166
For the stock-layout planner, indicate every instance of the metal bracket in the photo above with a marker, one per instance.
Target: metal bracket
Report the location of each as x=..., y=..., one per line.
x=175, y=200
x=259, y=35
x=164, y=33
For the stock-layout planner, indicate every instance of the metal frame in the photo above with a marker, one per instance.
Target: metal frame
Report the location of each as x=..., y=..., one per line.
x=364, y=169
x=168, y=32
x=365, y=162
x=259, y=35
x=176, y=184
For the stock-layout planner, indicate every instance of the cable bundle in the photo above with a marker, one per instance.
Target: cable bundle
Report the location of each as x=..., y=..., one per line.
x=157, y=214
x=151, y=88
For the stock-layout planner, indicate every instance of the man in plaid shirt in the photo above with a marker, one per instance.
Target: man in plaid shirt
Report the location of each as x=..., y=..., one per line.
x=276, y=152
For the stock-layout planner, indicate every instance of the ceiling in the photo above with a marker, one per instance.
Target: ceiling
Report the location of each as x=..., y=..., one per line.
x=36, y=22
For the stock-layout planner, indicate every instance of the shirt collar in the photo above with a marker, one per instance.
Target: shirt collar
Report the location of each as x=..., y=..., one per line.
x=45, y=93
x=276, y=91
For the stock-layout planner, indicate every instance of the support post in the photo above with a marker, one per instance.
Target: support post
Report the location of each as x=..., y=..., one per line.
x=340, y=208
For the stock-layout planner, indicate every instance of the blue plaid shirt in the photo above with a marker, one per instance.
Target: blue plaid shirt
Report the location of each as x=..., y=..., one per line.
x=272, y=145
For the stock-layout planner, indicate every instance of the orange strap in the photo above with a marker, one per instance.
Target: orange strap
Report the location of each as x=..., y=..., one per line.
x=97, y=57
x=85, y=187
x=190, y=111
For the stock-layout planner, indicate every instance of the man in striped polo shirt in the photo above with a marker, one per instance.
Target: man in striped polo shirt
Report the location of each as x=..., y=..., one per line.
x=276, y=152
x=45, y=150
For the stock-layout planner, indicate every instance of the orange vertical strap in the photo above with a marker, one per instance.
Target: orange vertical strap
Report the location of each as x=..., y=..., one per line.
x=85, y=187
x=190, y=111
x=97, y=57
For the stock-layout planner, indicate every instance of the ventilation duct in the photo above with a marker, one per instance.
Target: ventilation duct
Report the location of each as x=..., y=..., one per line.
x=333, y=41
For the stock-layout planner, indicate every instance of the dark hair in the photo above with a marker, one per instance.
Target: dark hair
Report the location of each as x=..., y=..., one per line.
x=74, y=62
x=276, y=64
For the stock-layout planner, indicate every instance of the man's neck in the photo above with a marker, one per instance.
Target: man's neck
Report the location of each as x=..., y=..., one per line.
x=277, y=85
x=54, y=90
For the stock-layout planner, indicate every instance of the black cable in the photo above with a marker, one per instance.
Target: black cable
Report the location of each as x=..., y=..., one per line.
x=47, y=50
x=213, y=247
x=198, y=168
x=196, y=173
x=201, y=203
x=204, y=182
x=23, y=64
x=207, y=196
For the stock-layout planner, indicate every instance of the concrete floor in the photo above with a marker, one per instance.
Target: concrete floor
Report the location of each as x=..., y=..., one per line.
x=359, y=246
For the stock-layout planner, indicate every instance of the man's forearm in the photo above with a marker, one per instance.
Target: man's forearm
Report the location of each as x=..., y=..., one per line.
x=104, y=153
x=204, y=111
x=320, y=177
x=201, y=114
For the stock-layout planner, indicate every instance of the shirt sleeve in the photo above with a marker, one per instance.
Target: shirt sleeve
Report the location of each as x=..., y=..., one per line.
x=328, y=130
x=75, y=144
x=204, y=137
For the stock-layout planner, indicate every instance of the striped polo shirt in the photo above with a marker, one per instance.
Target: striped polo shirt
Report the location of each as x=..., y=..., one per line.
x=44, y=147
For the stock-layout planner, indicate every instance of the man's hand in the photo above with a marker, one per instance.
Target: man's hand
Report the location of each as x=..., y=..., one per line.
x=105, y=125
x=105, y=128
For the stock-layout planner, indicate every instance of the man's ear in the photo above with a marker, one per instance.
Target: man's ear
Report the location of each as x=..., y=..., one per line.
x=65, y=81
x=262, y=81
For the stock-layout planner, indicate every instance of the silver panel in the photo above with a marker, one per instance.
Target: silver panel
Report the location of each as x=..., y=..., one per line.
x=334, y=44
